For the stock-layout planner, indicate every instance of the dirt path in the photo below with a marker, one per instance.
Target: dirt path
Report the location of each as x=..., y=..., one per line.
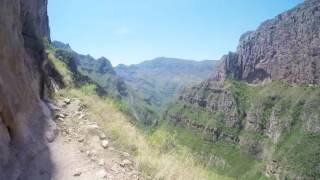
x=82, y=151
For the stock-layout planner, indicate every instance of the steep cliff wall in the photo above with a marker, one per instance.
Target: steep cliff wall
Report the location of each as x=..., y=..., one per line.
x=23, y=124
x=264, y=98
x=286, y=47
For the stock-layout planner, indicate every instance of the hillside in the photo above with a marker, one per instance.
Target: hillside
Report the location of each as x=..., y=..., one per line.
x=253, y=115
x=85, y=69
x=99, y=70
x=161, y=79
x=263, y=101
x=102, y=139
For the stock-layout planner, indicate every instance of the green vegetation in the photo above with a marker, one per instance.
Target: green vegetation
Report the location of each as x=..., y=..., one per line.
x=89, y=89
x=293, y=110
x=85, y=72
x=60, y=66
x=169, y=151
x=223, y=158
x=153, y=162
x=201, y=116
x=162, y=78
x=113, y=115
x=299, y=151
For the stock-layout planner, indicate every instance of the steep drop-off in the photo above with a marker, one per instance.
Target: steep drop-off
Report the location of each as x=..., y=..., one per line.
x=264, y=99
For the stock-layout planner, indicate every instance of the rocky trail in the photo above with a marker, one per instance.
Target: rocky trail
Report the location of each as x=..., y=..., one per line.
x=80, y=150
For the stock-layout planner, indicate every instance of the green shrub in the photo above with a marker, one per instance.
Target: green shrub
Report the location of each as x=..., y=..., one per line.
x=89, y=89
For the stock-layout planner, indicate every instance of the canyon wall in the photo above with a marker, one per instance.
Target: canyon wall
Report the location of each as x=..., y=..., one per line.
x=264, y=98
x=24, y=117
x=286, y=47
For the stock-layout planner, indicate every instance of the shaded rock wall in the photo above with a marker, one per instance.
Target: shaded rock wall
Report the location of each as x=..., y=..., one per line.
x=23, y=150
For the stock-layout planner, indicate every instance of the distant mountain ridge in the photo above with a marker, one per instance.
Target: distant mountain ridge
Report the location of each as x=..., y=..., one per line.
x=161, y=78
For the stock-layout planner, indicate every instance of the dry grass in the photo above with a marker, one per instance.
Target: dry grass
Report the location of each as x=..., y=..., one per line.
x=63, y=70
x=152, y=163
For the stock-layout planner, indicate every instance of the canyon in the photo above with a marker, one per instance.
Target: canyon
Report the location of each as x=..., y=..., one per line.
x=254, y=114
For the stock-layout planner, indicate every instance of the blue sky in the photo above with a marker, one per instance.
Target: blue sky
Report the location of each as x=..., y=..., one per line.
x=131, y=31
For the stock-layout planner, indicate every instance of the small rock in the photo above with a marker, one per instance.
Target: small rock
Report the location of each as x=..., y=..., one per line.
x=93, y=158
x=93, y=126
x=101, y=162
x=111, y=148
x=82, y=107
x=67, y=100
x=135, y=177
x=88, y=153
x=61, y=116
x=81, y=139
x=82, y=116
x=125, y=162
x=77, y=173
x=105, y=144
x=102, y=136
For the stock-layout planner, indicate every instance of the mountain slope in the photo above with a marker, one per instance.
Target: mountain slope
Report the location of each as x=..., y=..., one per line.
x=82, y=116
x=263, y=99
x=161, y=78
x=100, y=72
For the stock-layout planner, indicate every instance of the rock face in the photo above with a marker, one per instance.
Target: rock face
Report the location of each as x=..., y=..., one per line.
x=221, y=101
x=276, y=122
x=264, y=98
x=283, y=48
x=23, y=150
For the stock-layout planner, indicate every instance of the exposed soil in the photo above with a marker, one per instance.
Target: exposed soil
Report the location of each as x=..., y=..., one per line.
x=82, y=151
